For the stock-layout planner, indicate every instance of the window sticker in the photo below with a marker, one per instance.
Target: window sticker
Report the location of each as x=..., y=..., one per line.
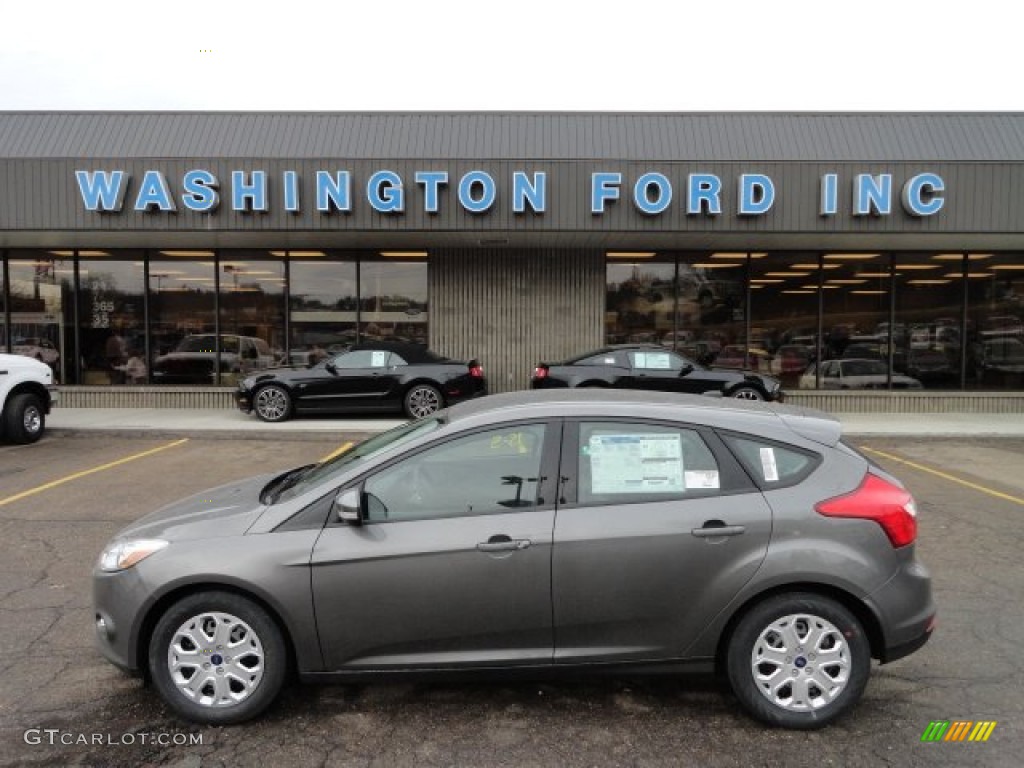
x=702, y=479
x=652, y=360
x=768, y=465
x=378, y=359
x=646, y=463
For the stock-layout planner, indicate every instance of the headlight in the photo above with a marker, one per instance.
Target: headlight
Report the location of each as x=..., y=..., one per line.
x=121, y=554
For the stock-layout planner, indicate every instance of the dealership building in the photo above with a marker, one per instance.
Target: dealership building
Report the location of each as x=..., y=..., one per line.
x=879, y=253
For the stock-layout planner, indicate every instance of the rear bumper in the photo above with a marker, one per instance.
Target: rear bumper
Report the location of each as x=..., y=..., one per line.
x=906, y=610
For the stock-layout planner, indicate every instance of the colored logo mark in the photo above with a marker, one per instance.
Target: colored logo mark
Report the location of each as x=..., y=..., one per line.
x=958, y=730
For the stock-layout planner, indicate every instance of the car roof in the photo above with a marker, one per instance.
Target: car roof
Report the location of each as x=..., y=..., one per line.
x=755, y=417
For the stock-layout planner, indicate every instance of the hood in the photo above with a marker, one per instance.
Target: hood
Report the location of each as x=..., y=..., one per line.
x=228, y=510
x=290, y=374
x=20, y=362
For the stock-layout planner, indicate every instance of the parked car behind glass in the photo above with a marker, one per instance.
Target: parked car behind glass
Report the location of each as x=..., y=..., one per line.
x=376, y=376
x=536, y=531
x=652, y=368
x=857, y=373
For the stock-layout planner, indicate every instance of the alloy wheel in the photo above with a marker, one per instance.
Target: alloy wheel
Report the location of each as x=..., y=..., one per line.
x=215, y=660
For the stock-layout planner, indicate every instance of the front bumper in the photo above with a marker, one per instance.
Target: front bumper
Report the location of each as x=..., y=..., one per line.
x=243, y=399
x=119, y=601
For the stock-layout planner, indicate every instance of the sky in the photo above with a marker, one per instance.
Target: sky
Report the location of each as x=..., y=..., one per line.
x=528, y=55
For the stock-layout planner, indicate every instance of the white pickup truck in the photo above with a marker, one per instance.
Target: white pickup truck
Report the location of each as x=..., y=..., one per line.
x=27, y=394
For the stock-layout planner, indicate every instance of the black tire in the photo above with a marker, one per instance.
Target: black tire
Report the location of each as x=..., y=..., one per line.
x=24, y=419
x=272, y=403
x=842, y=637
x=422, y=400
x=198, y=608
x=747, y=393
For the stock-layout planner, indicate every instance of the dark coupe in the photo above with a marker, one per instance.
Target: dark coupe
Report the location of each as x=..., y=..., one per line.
x=651, y=367
x=377, y=376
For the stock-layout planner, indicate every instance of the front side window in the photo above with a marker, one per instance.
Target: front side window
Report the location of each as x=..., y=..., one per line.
x=484, y=473
x=363, y=358
x=655, y=360
x=624, y=463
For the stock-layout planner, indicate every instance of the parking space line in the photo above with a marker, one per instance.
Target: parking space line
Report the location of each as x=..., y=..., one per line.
x=945, y=476
x=85, y=472
x=334, y=453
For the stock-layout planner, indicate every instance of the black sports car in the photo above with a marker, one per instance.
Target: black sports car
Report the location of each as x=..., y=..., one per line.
x=649, y=366
x=378, y=376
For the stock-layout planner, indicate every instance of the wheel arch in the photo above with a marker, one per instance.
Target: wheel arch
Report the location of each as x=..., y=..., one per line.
x=30, y=388
x=169, y=598
x=407, y=386
x=862, y=612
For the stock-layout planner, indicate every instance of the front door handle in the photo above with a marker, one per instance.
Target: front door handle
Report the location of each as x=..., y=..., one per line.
x=714, y=529
x=502, y=543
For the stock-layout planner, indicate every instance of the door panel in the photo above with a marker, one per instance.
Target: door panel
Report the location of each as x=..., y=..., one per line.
x=420, y=593
x=635, y=573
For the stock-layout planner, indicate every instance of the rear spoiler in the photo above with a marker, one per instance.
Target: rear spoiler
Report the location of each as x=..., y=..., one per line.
x=812, y=424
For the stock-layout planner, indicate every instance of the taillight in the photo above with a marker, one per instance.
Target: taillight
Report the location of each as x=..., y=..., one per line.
x=540, y=372
x=476, y=370
x=876, y=499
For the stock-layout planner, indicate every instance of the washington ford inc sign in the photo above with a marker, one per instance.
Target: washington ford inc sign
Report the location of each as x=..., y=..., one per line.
x=477, y=192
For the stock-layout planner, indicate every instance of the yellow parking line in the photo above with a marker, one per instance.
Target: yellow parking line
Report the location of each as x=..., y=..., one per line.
x=944, y=476
x=344, y=447
x=83, y=473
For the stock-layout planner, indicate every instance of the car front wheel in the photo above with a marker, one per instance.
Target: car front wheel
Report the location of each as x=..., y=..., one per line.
x=23, y=419
x=746, y=393
x=217, y=658
x=798, y=661
x=272, y=403
x=422, y=400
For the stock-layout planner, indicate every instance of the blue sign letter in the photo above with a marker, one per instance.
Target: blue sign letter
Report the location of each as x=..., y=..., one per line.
x=200, y=191
x=154, y=191
x=872, y=194
x=332, y=192
x=524, y=192
x=704, y=188
x=829, y=195
x=291, y=191
x=487, y=191
x=662, y=193
x=916, y=189
x=247, y=196
x=603, y=186
x=101, y=191
x=431, y=181
x=757, y=194
x=385, y=193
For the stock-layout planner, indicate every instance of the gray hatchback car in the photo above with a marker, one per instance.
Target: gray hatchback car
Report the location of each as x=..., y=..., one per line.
x=534, y=532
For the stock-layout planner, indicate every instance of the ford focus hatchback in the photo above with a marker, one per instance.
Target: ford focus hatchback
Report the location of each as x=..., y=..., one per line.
x=535, y=532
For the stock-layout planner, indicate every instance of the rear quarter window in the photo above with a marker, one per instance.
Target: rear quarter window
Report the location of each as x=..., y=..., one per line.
x=771, y=464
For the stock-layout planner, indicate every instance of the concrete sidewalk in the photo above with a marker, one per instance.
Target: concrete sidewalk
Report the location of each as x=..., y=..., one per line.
x=229, y=423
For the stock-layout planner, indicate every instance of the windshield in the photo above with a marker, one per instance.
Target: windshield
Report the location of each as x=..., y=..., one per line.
x=386, y=441
x=864, y=368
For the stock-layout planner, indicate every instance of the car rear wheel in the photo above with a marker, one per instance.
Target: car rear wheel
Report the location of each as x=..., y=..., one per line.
x=422, y=400
x=747, y=393
x=798, y=661
x=272, y=403
x=217, y=658
x=24, y=419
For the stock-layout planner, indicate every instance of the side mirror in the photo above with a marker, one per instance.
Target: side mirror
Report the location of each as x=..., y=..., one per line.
x=348, y=506
x=330, y=366
x=686, y=370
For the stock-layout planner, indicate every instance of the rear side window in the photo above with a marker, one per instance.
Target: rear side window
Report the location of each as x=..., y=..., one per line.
x=771, y=464
x=624, y=463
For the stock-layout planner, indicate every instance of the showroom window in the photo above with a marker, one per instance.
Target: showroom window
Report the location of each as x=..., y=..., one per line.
x=995, y=318
x=393, y=297
x=323, y=304
x=182, y=300
x=40, y=288
x=640, y=298
x=111, y=317
x=252, y=286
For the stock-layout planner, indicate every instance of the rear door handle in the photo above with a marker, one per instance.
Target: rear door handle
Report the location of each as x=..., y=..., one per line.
x=503, y=543
x=713, y=529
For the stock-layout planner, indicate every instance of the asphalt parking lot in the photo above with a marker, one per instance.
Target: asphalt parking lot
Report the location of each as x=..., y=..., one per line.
x=60, y=703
